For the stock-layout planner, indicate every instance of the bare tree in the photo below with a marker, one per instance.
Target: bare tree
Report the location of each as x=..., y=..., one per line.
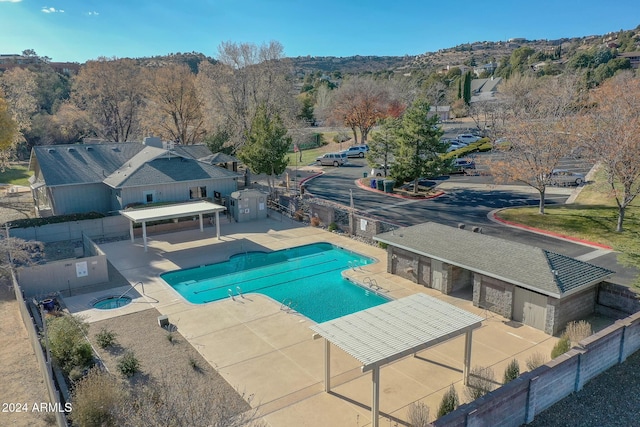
x=537, y=134
x=245, y=77
x=611, y=130
x=20, y=87
x=173, y=107
x=111, y=93
x=8, y=130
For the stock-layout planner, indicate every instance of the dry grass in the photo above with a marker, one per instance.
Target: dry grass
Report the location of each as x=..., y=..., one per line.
x=21, y=378
x=577, y=331
x=160, y=357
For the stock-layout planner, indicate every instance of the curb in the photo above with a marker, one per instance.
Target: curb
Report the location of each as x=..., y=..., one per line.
x=397, y=196
x=492, y=216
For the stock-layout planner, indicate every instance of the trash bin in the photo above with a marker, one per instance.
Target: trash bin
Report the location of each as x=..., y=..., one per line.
x=388, y=186
x=364, y=174
x=380, y=185
x=373, y=183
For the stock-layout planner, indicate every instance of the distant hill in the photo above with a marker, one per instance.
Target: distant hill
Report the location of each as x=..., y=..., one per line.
x=477, y=53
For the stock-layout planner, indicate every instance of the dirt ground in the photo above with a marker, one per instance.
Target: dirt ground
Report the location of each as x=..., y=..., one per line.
x=159, y=356
x=21, y=378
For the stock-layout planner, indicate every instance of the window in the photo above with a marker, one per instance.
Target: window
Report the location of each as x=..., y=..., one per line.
x=149, y=196
x=197, y=192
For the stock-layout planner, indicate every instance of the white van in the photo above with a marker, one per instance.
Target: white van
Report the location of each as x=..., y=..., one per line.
x=332, y=159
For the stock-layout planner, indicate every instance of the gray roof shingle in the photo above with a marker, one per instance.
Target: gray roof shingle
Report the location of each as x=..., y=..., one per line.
x=82, y=163
x=527, y=266
x=166, y=169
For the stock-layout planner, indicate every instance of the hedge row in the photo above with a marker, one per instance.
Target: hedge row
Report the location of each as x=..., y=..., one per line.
x=37, y=222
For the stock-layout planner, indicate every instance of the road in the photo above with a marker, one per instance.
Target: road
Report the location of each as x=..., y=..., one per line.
x=467, y=200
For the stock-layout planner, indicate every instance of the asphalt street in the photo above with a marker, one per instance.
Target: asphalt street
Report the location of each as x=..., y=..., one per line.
x=466, y=200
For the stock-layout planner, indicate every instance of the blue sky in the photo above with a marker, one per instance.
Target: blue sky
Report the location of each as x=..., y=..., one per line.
x=74, y=30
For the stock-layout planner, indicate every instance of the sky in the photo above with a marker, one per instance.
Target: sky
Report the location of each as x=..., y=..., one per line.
x=81, y=30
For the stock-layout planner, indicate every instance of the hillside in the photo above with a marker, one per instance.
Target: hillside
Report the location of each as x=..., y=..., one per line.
x=480, y=52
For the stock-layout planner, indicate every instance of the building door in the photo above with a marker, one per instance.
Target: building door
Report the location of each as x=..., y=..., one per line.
x=436, y=274
x=530, y=308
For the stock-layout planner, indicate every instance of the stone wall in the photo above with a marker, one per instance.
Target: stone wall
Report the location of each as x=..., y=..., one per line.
x=493, y=294
x=574, y=307
x=616, y=301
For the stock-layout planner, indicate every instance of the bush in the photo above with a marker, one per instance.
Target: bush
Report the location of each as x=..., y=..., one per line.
x=481, y=381
x=536, y=360
x=512, y=371
x=561, y=347
x=129, y=365
x=37, y=222
x=105, y=338
x=96, y=399
x=68, y=344
x=383, y=245
x=418, y=415
x=315, y=221
x=577, y=331
x=450, y=401
x=332, y=227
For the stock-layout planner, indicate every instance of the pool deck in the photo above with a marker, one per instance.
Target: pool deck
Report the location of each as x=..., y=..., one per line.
x=269, y=354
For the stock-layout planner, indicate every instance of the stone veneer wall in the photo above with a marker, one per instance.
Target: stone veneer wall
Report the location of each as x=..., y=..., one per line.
x=493, y=294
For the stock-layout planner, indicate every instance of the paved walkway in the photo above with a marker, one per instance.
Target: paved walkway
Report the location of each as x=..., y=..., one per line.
x=269, y=354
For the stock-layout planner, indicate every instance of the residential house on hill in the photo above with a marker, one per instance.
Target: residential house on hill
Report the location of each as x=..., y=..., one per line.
x=484, y=89
x=107, y=177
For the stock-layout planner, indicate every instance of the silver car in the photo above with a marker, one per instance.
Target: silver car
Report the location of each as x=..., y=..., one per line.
x=563, y=177
x=332, y=159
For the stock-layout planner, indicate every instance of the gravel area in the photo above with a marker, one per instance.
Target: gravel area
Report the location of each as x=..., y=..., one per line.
x=611, y=399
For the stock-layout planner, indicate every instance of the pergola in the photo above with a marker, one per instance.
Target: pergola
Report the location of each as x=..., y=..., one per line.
x=169, y=212
x=391, y=331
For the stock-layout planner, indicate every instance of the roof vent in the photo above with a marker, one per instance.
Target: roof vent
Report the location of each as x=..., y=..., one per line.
x=89, y=148
x=114, y=148
x=71, y=149
x=51, y=150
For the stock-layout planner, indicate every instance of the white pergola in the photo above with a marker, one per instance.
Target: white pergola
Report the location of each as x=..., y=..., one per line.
x=169, y=212
x=391, y=331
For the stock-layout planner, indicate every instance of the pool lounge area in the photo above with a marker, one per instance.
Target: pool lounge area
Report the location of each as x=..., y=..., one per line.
x=269, y=352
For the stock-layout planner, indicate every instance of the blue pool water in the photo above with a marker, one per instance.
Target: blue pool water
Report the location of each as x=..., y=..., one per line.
x=306, y=278
x=110, y=303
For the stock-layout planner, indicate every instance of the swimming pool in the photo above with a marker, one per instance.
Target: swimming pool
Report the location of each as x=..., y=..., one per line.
x=305, y=278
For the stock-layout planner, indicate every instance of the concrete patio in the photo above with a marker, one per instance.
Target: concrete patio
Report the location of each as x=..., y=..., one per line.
x=269, y=354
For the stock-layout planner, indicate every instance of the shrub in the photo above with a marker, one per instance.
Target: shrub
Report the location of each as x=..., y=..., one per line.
x=536, y=360
x=37, y=222
x=129, y=365
x=332, y=227
x=67, y=343
x=418, y=415
x=315, y=221
x=105, y=338
x=561, y=347
x=481, y=381
x=450, y=401
x=96, y=399
x=383, y=245
x=512, y=371
x=577, y=331
x=171, y=338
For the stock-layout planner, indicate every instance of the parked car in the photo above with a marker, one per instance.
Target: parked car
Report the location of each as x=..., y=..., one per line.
x=565, y=177
x=357, y=151
x=459, y=165
x=468, y=138
x=380, y=170
x=332, y=159
x=454, y=144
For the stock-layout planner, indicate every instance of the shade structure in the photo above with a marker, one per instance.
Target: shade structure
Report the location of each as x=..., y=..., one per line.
x=169, y=212
x=391, y=331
